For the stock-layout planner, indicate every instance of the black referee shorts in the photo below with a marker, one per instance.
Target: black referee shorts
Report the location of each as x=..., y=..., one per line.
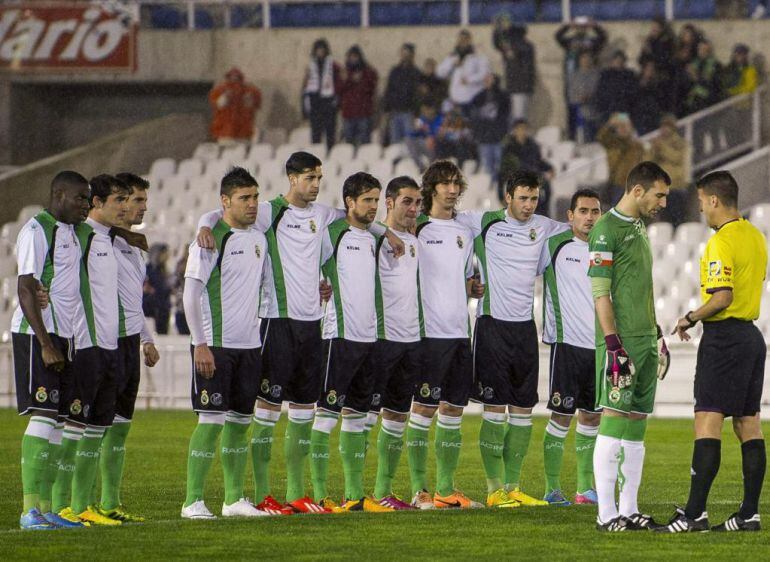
x=129, y=371
x=730, y=370
x=37, y=386
x=506, y=362
x=292, y=360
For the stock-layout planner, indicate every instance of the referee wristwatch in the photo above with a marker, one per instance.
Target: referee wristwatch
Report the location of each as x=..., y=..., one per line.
x=689, y=319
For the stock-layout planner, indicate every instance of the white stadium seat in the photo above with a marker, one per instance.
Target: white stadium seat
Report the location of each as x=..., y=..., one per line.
x=28, y=212
x=660, y=232
x=260, y=152
x=207, y=151
x=395, y=152
x=283, y=152
x=548, y=135
x=318, y=150
x=162, y=168
x=234, y=154
x=691, y=232
x=369, y=152
x=406, y=167
x=300, y=136
x=190, y=167
x=341, y=152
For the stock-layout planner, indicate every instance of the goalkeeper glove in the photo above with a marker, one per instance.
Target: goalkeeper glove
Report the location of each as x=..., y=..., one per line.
x=664, y=356
x=620, y=369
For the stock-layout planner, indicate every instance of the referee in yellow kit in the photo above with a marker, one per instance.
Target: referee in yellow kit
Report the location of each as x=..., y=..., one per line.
x=731, y=357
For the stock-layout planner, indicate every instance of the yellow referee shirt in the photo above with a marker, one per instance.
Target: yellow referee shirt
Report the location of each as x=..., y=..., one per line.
x=735, y=258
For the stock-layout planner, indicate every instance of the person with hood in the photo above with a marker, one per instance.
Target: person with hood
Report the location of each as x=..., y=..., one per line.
x=489, y=122
x=659, y=47
x=617, y=87
x=519, y=63
x=234, y=104
x=357, y=90
x=400, y=99
x=465, y=69
x=320, y=90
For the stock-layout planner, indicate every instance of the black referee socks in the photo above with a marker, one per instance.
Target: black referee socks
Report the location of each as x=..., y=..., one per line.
x=754, y=463
x=706, y=456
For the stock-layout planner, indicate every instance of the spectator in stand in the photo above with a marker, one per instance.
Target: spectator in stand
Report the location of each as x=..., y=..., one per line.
x=740, y=76
x=234, y=104
x=582, y=97
x=617, y=87
x=400, y=100
x=431, y=89
x=522, y=152
x=685, y=53
x=705, y=73
x=670, y=151
x=454, y=139
x=489, y=121
x=358, y=86
x=320, y=93
x=519, y=63
x=157, y=290
x=421, y=141
x=650, y=100
x=465, y=70
x=659, y=48
x=581, y=35
x=624, y=152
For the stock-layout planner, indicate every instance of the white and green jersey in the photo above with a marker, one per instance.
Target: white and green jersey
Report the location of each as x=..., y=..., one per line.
x=508, y=251
x=132, y=271
x=49, y=251
x=232, y=275
x=568, y=309
x=445, y=264
x=397, y=295
x=349, y=264
x=99, y=312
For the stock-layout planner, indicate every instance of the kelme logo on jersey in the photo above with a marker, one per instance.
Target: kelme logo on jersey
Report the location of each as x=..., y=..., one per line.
x=204, y=398
x=76, y=407
x=532, y=234
x=331, y=397
x=265, y=386
x=412, y=251
x=41, y=395
x=313, y=227
x=425, y=390
x=460, y=242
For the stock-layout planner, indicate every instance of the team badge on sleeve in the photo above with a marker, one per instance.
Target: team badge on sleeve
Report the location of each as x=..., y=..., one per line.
x=601, y=259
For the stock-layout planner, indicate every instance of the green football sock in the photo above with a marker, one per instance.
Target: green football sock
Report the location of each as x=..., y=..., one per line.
x=111, y=462
x=553, y=453
x=34, y=458
x=296, y=448
x=515, y=449
x=62, y=486
x=417, y=451
x=203, y=444
x=491, y=437
x=371, y=421
x=86, y=467
x=235, y=454
x=352, y=451
x=390, y=443
x=448, y=442
x=51, y=468
x=319, y=452
x=261, y=450
x=585, y=441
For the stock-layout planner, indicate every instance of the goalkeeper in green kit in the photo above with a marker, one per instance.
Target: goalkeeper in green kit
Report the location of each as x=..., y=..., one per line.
x=630, y=352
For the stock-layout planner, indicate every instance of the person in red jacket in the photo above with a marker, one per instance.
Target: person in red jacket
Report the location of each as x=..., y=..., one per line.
x=234, y=102
x=357, y=92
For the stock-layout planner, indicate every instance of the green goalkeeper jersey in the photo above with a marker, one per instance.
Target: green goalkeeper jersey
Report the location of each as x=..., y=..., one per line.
x=620, y=250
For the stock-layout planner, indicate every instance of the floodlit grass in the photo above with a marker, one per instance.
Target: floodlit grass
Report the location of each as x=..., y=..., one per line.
x=155, y=482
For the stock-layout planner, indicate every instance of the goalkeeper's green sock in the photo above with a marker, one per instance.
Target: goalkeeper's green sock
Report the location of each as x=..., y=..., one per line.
x=553, y=453
x=261, y=449
x=203, y=445
x=585, y=441
x=491, y=437
x=323, y=425
x=417, y=451
x=448, y=442
x=235, y=454
x=517, y=439
x=296, y=448
x=390, y=444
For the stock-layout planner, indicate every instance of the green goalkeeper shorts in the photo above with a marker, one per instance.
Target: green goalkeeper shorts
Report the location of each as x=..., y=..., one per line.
x=639, y=396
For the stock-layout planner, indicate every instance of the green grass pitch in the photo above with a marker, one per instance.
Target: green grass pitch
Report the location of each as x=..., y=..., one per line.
x=155, y=481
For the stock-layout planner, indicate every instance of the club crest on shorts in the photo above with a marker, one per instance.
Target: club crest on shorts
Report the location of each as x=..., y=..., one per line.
x=76, y=407
x=556, y=399
x=265, y=386
x=460, y=242
x=205, y=398
x=41, y=395
x=331, y=397
x=425, y=390
x=412, y=251
x=313, y=227
x=216, y=399
x=614, y=394
x=532, y=234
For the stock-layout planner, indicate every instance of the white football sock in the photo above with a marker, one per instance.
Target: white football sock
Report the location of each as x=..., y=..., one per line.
x=630, y=476
x=606, y=459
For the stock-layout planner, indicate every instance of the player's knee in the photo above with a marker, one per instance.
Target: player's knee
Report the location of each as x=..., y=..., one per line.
x=325, y=422
x=449, y=410
x=425, y=411
x=561, y=419
x=394, y=416
x=747, y=428
x=213, y=418
x=589, y=418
